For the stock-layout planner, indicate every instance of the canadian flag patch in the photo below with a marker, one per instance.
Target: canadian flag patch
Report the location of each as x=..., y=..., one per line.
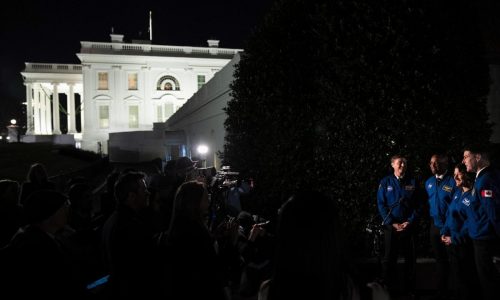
x=487, y=193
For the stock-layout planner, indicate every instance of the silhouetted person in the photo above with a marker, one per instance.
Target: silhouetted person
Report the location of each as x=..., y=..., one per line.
x=162, y=187
x=256, y=246
x=37, y=179
x=310, y=259
x=83, y=236
x=128, y=241
x=233, y=202
x=108, y=201
x=192, y=268
x=37, y=264
x=80, y=195
x=11, y=217
x=177, y=172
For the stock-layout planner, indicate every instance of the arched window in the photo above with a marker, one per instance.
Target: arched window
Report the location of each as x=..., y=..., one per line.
x=168, y=83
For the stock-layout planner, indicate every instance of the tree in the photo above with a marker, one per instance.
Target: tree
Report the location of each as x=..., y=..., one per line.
x=326, y=91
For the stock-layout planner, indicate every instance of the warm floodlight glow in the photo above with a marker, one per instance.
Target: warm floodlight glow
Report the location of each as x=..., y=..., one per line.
x=202, y=149
x=13, y=121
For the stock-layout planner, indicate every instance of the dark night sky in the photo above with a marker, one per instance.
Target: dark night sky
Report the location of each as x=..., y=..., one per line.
x=51, y=31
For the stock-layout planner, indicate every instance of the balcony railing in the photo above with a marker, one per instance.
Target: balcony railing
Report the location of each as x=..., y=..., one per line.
x=53, y=68
x=159, y=50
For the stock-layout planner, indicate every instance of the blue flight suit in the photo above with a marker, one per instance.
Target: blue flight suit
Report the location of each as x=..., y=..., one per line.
x=440, y=196
x=440, y=193
x=461, y=250
x=484, y=229
x=399, y=196
x=487, y=194
x=396, y=203
x=458, y=217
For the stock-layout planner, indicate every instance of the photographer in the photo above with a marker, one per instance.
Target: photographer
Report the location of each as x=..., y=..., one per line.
x=223, y=188
x=234, y=197
x=245, y=248
x=185, y=169
x=255, y=246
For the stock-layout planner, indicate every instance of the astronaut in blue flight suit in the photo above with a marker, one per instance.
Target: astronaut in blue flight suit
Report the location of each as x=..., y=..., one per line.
x=455, y=235
x=396, y=201
x=484, y=229
x=440, y=188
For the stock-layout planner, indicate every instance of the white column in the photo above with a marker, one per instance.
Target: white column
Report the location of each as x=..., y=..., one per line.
x=71, y=110
x=48, y=113
x=43, y=107
x=29, y=109
x=55, y=108
x=36, y=109
x=90, y=123
x=82, y=115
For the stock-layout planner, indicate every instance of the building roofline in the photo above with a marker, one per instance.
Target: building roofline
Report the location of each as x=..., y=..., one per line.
x=156, y=50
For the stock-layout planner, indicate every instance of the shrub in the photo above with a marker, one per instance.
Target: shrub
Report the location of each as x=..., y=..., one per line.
x=326, y=91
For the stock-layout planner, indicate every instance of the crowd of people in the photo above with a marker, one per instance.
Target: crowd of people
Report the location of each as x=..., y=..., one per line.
x=150, y=236
x=168, y=235
x=464, y=209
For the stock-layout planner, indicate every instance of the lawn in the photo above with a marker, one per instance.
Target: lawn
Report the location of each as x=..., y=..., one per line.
x=16, y=159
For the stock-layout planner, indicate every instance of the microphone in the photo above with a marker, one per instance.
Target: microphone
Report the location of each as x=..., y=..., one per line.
x=395, y=203
x=391, y=208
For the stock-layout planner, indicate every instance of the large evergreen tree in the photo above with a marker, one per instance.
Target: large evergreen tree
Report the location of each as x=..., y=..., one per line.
x=326, y=91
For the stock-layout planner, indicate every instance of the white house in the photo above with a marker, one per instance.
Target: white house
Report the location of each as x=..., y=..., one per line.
x=200, y=121
x=119, y=87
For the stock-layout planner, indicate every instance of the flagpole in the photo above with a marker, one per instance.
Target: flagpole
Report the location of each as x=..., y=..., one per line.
x=150, y=26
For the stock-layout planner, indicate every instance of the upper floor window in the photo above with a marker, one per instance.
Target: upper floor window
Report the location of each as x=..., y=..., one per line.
x=201, y=81
x=168, y=86
x=132, y=81
x=102, y=81
x=168, y=83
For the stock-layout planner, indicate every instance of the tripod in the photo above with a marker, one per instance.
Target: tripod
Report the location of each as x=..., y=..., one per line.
x=377, y=234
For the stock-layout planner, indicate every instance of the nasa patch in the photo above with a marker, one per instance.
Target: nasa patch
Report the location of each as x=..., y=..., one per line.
x=389, y=188
x=466, y=202
x=447, y=188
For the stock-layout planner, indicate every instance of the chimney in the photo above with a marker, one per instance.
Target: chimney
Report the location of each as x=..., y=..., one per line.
x=116, y=38
x=213, y=43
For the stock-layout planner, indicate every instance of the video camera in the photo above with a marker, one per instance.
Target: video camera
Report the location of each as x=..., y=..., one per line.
x=219, y=187
x=208, y=173
x=225, y=178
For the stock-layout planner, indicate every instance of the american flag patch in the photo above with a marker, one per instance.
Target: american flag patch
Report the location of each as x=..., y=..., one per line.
x=487, y=193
